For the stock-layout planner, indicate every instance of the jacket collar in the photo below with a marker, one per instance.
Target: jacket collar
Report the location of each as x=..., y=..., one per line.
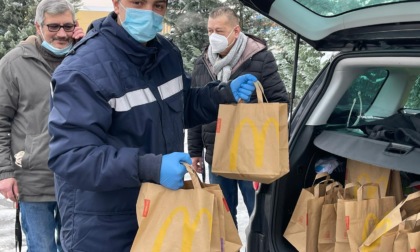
x=30, y=50
x=145, y=56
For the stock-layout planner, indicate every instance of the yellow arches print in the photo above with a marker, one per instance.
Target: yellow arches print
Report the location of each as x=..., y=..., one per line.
x=188, y=230
x=259, y=140
x=372, y=220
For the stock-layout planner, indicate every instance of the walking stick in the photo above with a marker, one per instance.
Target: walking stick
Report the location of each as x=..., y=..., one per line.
x=18, y=230
x=203, y=167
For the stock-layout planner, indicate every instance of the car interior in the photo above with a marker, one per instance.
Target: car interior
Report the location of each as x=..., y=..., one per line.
x=363, y=91
x=362, y=107
x=357, y=91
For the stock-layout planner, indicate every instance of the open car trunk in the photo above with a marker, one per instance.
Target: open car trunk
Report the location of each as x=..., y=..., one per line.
x=354, y=90
x=355, y=106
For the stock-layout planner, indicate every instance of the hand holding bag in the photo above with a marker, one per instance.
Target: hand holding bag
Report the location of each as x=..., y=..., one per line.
x=252, y=141
x=193, y=218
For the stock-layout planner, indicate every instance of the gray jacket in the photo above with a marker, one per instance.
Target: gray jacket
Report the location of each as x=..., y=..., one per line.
x=24, y=108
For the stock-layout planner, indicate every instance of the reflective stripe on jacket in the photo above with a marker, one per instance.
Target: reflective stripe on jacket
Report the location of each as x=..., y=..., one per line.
x=117, y=108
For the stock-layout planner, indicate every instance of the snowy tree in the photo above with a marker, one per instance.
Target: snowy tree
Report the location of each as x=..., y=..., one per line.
x=282, y=43
x=17, y=22
x=188, y=21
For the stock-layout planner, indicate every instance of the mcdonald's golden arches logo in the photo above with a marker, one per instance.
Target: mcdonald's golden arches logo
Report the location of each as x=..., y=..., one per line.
x=371, y=191
x=258, y=137
x=372, y=221
x=188, y=228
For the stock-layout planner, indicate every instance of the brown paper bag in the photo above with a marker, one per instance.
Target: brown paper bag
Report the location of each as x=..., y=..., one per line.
x=193, y=218
x=414, y=241
x=252, y=141
x=396, y=239
x=227, y=237
x=386, y=231
x=295, y=232
x=386, y=244
x=410, y=226
x=363, y=215
x=341, y=238
x=395, y=186
x=365, y=173
x=328, y=218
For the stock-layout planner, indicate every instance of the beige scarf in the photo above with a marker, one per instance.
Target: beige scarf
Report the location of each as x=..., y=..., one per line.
x=222, y=67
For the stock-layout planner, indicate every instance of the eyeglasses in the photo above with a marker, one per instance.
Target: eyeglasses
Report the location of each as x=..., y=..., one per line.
x=57, y=27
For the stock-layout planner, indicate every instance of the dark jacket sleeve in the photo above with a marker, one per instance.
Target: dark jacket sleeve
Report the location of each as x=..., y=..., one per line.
x=274, y=88
x=202, y=104
x=195, y=142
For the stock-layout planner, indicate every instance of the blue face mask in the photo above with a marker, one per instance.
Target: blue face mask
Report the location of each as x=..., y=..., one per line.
x=54, y=50
x=142, y=25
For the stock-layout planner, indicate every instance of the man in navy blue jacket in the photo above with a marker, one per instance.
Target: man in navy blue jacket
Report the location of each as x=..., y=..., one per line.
x=120, y=104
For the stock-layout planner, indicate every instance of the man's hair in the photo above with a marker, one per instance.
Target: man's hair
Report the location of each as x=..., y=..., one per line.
x=225, y=11
x=52, y=7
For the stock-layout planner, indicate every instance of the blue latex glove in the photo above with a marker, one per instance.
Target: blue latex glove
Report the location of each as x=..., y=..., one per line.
x=172, y=171
x=243, y=86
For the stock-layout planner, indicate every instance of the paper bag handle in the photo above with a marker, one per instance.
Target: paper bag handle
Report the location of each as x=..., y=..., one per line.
x=317, y=192
x=414, y=226
x=411, y=202
x=410, y=205
x=194, y=176
x=349, y=186
x=320, y=175
x=360, y=190
x=332, y=186
x=332, y=191
x=260, y=93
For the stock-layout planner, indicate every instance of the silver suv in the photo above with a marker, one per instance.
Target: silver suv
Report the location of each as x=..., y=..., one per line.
x=364, y=105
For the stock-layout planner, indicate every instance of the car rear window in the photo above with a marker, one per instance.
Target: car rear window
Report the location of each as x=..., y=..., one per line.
x=413, y=101
x=333, y=7
x=359, y=97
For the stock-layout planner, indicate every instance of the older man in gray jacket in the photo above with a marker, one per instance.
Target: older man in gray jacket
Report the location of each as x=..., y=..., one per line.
x=25, y=74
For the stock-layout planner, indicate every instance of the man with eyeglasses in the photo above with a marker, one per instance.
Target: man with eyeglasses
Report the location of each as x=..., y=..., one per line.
x=120, y=105
x=25, y=75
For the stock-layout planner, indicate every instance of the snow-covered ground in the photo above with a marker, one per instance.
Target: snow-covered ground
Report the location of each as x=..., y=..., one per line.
x=7, y=226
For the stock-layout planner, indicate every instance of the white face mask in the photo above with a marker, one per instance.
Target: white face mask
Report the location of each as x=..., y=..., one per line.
x=218, y=42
